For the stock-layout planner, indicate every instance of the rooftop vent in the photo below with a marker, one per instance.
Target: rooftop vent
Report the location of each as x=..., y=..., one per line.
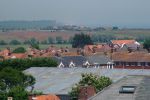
x=127, y=89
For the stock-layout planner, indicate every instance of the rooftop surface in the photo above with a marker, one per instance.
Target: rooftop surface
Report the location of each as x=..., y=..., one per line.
x=112, y=92
x=60, y=80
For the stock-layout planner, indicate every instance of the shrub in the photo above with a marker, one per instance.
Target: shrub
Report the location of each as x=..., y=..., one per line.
x=19, y=50
x=2, y=42
x=96, y=81
x=15, y=42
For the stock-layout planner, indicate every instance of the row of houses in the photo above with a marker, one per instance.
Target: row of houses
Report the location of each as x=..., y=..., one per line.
x=134, y=60
x=98, y=56
x=115, y=45
x=124, y=60
x=95, y=61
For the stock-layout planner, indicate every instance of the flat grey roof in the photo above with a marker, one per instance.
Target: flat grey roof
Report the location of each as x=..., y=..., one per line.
x=60, y=80
x=112, y=92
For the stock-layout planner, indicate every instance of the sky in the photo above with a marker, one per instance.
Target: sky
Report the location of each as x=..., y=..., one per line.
x=122, y=13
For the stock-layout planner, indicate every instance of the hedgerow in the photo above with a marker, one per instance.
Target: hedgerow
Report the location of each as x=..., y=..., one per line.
x=22, y=64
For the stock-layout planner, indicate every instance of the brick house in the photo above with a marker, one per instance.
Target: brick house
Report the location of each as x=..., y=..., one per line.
x=125, y=45
x=133, y=60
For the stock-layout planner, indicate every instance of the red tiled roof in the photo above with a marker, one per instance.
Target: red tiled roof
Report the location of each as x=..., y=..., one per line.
x=18, y=55
x=47, y=97
x=97, y=48
x=120, y=42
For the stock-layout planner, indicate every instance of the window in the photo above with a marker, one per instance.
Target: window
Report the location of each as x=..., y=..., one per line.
x=117, y=63
x=127, y=89
x=143, y=64
x=139, y=64
x=148, y=63
x=127, y=63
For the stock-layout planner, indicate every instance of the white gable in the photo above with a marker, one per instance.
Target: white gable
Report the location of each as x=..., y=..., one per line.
x=71, y=64
x=61, y=65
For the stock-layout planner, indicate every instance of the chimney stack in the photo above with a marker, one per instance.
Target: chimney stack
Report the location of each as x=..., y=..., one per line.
x=86, y=92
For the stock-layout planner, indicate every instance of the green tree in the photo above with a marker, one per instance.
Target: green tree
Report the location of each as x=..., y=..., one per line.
x=34, y=43
x=146, y=45
x=13, y=81
x=19, y=50
x=44, y=42
x=18, y=93
x=26, y=42
x=15, y=42
x=2, y=42
x=90, y=80
x=59, y=40
x=50, y=40
x=80, y=40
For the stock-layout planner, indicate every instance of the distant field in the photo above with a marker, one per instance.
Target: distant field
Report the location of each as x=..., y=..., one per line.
x=26, y=46
x=39, y=35
x=43, y=35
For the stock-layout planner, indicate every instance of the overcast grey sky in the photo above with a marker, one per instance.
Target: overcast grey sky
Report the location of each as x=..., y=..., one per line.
x=124, y=13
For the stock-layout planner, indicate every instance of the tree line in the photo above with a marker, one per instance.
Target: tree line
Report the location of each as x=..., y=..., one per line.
x=49, y=40
x=96, y=38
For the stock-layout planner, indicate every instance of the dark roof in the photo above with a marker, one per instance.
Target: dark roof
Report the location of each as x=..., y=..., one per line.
x=112, y=92
x=143, y=93
x=60, y=80
x=99, y=59
x=77, y=60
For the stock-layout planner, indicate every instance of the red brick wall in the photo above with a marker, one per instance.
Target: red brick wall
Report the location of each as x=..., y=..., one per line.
x=132, y=67
x=86, y=92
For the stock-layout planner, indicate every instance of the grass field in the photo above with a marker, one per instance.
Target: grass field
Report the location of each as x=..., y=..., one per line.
x=26, y=46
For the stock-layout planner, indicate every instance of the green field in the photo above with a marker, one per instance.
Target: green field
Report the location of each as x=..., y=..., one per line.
x=26, y=46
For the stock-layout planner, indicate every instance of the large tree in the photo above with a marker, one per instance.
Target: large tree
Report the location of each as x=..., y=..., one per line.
x=146, y=45
x=80, y=40
x=12, y=81
x=34, y=43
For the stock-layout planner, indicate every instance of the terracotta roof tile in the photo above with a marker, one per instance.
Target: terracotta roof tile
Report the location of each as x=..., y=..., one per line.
x=18, y=55
x=120, y=42
x=47, y=97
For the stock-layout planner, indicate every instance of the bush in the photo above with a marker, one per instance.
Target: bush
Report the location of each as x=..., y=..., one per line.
x=22, y=64
x=2, y=42
x=19, y=50
x=18, y=93
x=14, y=42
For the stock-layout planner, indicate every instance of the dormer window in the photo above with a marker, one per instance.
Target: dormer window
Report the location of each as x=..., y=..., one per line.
x=61, y=65
x=86, y=63
x=71, y=64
